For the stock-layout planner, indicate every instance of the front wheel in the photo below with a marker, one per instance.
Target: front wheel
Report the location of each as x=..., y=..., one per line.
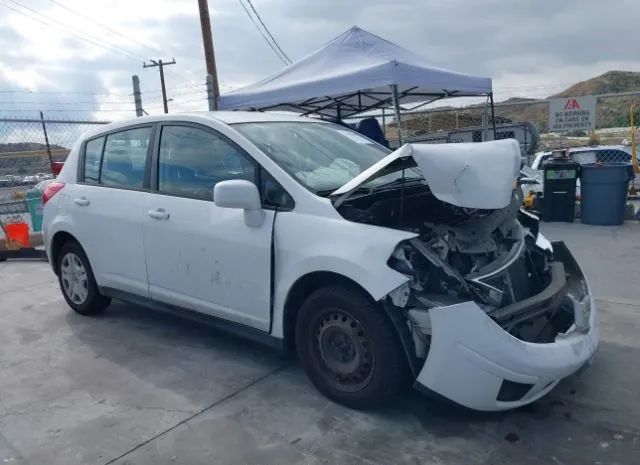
x=349, y=348
x=77, y=282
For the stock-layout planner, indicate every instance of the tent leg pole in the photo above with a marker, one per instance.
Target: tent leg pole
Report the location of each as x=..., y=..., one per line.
x=396, y=104
x=384, y=124
x=493, y=117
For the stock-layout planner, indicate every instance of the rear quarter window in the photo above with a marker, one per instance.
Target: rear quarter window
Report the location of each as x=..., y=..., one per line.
x=92, y=159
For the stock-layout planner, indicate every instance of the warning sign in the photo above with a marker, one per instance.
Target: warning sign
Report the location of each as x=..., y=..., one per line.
x=573, y=113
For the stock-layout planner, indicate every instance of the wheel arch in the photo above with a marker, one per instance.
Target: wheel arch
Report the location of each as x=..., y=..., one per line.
x=301, y=289
x=57, y=241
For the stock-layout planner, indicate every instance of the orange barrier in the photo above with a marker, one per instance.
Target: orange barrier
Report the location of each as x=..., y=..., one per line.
x=18, y=232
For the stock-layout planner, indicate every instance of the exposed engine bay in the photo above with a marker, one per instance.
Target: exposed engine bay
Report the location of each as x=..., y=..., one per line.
x=461, y=254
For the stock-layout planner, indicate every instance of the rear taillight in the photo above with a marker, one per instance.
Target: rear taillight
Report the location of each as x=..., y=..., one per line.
x=50, y=190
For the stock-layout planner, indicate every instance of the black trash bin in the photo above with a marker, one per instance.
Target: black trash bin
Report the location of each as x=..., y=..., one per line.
x=559, y=200
x=603, y=190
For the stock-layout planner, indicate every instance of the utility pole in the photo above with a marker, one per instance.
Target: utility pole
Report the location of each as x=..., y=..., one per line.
x=209, y=56
x=161, y=65
x=137, y=99
x=211, y=94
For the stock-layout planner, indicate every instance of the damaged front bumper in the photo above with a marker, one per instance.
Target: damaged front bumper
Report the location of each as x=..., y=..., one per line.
x=473, y=361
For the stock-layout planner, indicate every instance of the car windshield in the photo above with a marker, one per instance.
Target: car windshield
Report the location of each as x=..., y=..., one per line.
x=321, y=156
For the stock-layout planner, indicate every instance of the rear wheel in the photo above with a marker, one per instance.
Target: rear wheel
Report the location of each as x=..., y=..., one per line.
x=77, y=282
x=349, y=348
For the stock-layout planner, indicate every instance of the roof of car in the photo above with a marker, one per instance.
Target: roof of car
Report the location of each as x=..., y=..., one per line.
x=231, y=117
x=227, y=117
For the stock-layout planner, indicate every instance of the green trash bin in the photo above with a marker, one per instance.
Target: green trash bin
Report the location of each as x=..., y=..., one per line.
x=603, y=189
x=34, y=199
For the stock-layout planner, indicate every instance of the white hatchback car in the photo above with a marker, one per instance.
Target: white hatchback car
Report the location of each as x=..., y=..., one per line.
x=377, y=267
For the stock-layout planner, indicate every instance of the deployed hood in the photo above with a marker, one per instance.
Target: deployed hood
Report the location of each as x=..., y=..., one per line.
x=469, y=175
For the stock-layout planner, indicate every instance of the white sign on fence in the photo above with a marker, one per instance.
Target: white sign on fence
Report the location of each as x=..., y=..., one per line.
x=572, y=114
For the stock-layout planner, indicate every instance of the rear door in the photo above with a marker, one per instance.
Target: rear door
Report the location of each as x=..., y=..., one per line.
x=200, y=256
x=107, y=205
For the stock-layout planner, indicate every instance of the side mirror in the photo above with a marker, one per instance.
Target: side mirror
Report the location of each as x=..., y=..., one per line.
x=242, y=194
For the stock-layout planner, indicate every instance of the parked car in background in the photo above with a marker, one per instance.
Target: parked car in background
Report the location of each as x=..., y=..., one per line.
x=30, y=180
x=593, y=154
x=378, y=268
x=583, y=155
x=40, y=187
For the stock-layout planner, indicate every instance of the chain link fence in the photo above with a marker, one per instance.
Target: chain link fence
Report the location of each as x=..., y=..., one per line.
x=28, y=146
x=26, y=155
x=527, y=120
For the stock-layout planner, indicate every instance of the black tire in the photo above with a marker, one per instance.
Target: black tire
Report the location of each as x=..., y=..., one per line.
x=94, y=302
x=349, y=348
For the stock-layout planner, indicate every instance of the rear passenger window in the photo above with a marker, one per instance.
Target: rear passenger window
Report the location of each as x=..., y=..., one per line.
x=92, y=157
x=125, y=157
x=193, y=160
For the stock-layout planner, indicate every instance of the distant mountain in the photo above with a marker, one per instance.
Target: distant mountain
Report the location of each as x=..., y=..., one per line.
x=611, y=112
x=611, y=82
x=20, y=158
x=26, y=147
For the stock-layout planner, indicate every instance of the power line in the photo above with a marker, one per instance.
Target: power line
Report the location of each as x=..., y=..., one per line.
x=36, y=92
x=266, y=39
x=204, y=99
x=193, y=86
x=77, y=33
x=108, y=28
x=115, y=31
x=94, y=40
x=268, y=32
x=38, y=102
x=69, y=30
x=115, y=94
x=93, y=110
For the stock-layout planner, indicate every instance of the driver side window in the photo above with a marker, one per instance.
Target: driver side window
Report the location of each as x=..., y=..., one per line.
x=193, y=160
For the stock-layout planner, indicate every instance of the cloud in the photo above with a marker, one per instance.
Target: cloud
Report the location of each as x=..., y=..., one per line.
x=529, y=48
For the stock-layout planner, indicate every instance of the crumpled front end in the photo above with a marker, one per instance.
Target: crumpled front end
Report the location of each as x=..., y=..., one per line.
x=491, y=314
x=497, y=315
x=476, y=362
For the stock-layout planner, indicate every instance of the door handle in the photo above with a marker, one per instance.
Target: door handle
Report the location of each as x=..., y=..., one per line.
x=82, y=201
x=159, y=214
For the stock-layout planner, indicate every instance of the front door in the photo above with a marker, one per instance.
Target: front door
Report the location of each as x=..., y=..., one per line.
x=200, y=256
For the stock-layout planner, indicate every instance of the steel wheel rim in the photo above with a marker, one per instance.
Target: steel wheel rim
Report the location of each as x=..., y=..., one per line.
x=345, y=352
x=73, y=275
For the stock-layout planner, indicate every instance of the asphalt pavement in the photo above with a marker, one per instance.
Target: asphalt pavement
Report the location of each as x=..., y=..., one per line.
x=135, y=386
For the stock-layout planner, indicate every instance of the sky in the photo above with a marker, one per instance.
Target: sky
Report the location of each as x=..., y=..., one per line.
x=530, y=48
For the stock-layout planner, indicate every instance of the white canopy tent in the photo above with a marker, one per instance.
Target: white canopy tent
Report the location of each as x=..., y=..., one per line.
x=354, y=73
